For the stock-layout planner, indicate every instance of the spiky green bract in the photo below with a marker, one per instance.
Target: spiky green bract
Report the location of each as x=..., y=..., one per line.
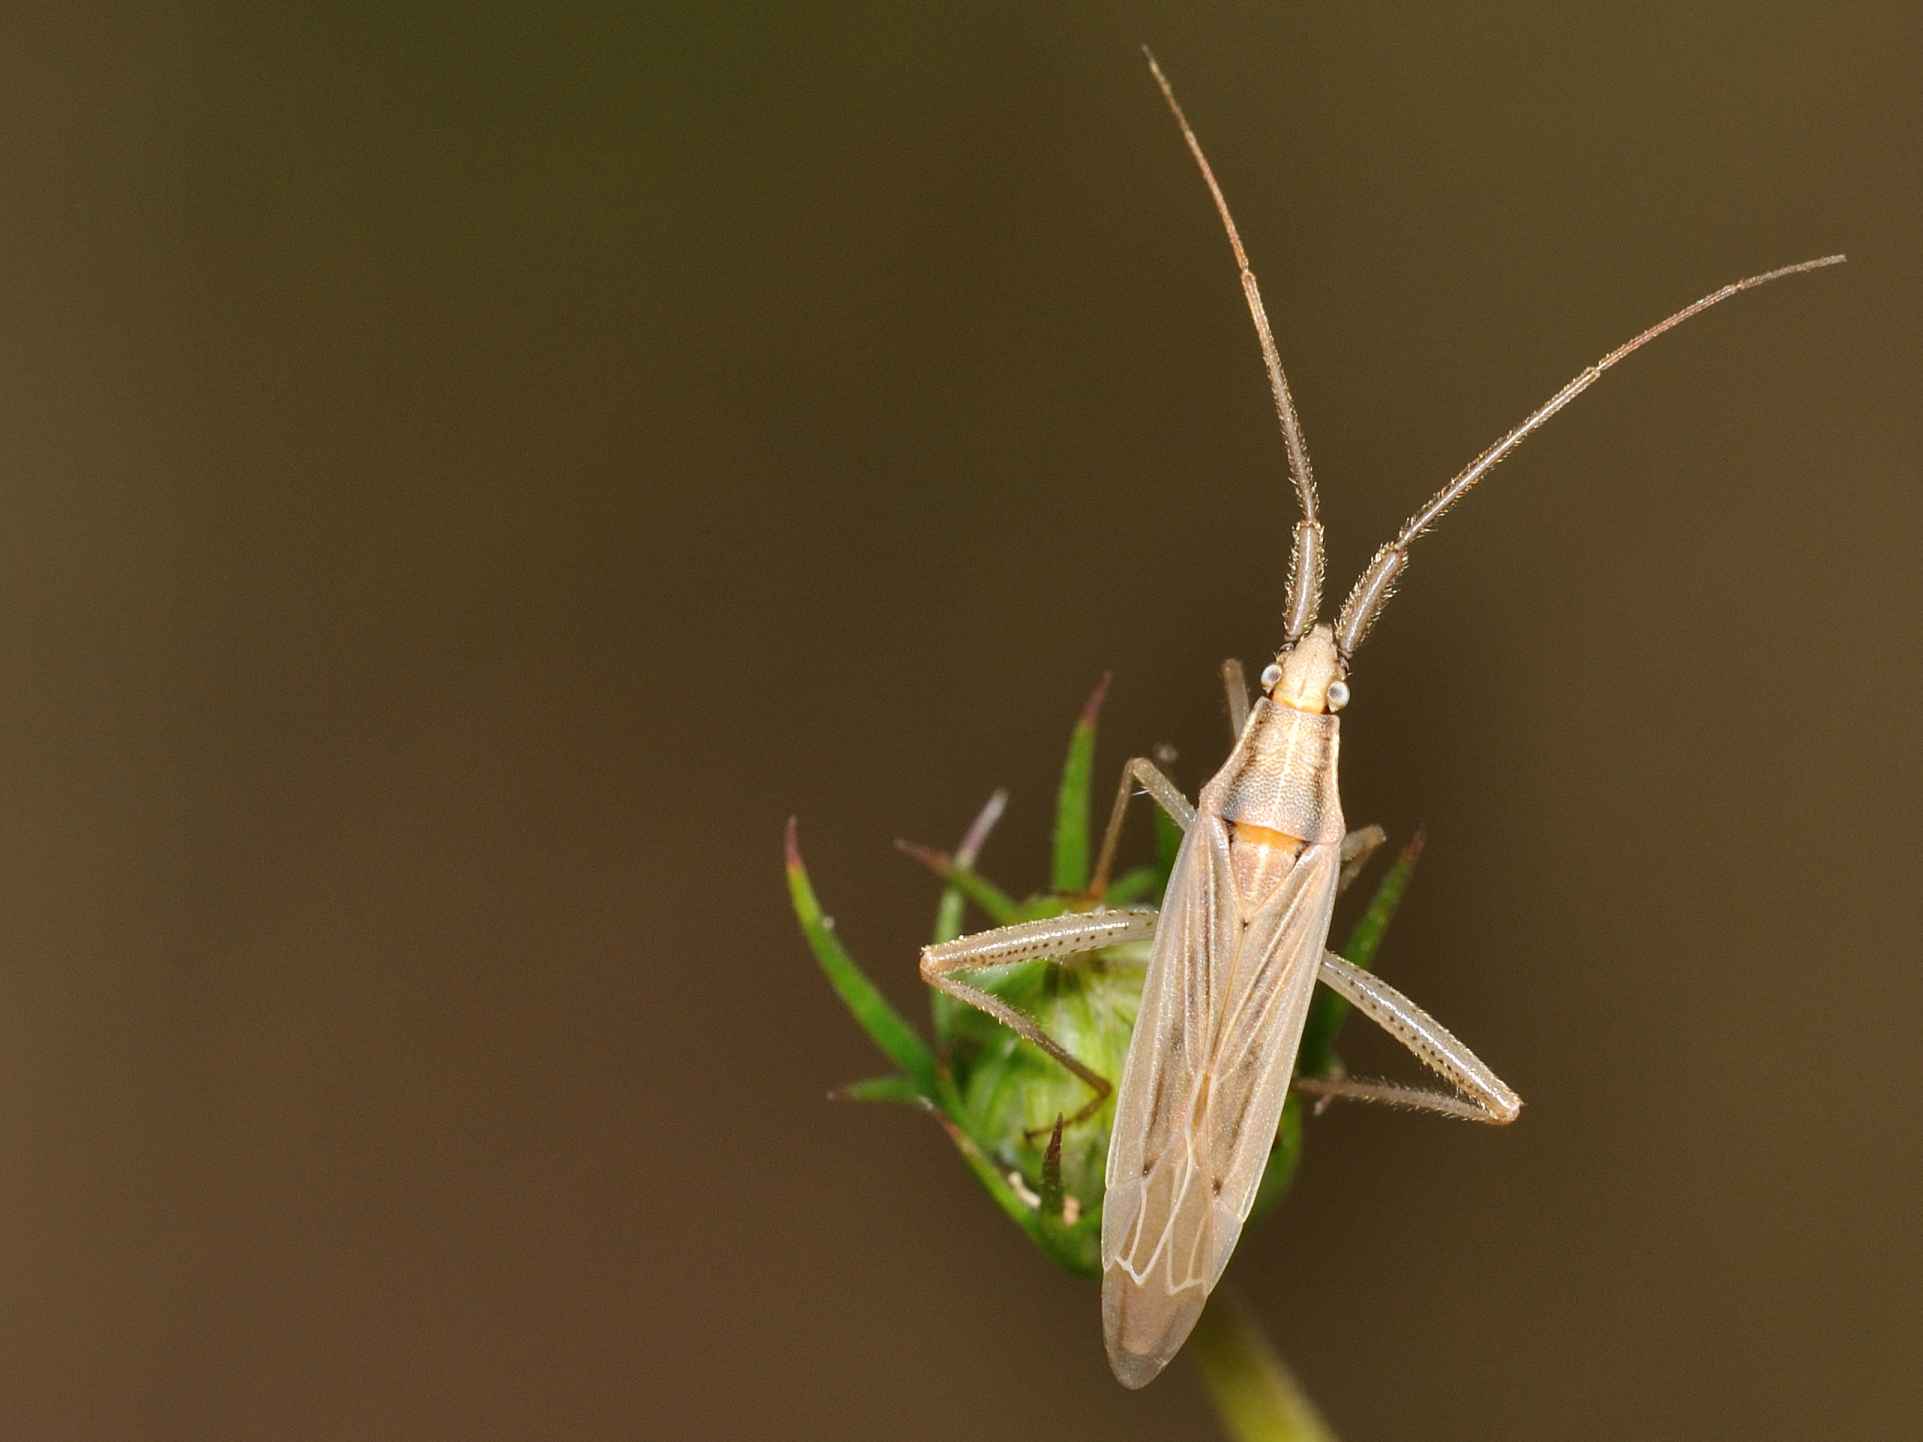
x=1069, y=873
x=975, y=889
x=993, y=1182
x=899, y=1041
x=880, y=1089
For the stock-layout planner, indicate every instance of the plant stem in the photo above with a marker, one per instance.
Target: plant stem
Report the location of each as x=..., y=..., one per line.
x=1256, y=1396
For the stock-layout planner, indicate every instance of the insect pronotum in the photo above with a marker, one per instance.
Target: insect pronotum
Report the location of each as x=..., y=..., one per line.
x=1241, y=936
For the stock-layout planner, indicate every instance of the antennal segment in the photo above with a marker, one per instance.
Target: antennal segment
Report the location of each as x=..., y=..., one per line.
x=1305, y=566
x=1376, y=584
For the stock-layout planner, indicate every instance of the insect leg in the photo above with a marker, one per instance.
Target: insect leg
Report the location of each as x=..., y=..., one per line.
x=1483, y=1096
x=1139, y=770
x=1357, y=847
x=1236, y=682
x=1051, y=939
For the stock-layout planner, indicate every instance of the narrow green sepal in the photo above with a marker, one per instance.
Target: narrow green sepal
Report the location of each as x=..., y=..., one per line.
x=899, y=1041
x=1070, y=871
x=1075, y=1246
x=997, y=905
x=879, y=1089
x=993, y=1182
x=1051, y=1192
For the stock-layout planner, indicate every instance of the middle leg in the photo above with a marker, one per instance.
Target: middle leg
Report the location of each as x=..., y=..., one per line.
x=1167, y=795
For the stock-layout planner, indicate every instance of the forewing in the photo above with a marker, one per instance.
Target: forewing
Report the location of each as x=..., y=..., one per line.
x=1174, y=1031
x=1208, y=1071
x=1252, y=1060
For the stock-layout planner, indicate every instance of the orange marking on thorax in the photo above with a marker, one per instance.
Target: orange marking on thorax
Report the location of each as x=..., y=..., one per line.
x=1259, y=859
x=1254, y=835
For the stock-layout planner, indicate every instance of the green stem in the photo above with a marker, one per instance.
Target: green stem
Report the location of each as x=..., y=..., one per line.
x=1256, y=1396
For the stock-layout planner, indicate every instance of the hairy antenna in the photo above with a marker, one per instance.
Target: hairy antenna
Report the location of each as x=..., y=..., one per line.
x=1377, y=583
x=1305, y=561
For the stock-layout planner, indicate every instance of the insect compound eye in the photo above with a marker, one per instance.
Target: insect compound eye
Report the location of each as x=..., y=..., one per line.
x=1271, y=673
x=1338, y=695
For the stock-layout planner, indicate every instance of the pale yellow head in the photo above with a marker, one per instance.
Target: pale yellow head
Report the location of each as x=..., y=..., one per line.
x=1308, y=676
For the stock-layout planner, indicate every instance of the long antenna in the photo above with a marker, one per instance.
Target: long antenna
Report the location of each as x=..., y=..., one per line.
x=1374, y=587
x=1305, y=570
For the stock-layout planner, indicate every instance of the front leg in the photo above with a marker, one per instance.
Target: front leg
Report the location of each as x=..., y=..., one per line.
x=1167, y=795
x=1052, y=939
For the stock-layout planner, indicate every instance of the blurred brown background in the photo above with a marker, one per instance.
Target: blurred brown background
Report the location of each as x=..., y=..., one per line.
x=470, y=476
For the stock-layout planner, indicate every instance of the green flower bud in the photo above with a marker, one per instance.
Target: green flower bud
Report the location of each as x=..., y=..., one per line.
x=1013, y=1111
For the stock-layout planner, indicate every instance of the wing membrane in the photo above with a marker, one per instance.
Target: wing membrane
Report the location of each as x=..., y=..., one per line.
x=1253, y=1059
x=1174, y=1031
x=1207, y=1074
